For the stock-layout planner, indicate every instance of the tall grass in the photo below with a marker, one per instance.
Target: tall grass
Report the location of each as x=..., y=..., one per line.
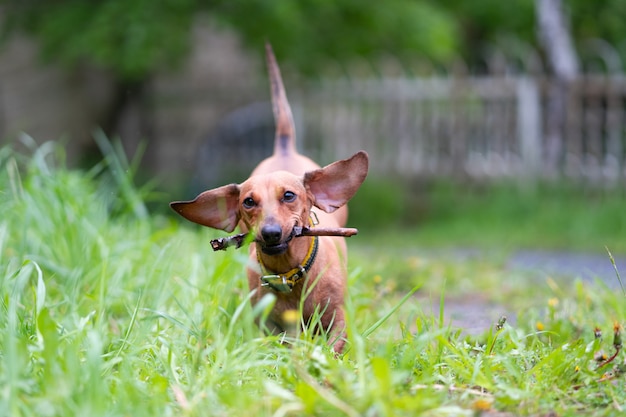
x=109, y=311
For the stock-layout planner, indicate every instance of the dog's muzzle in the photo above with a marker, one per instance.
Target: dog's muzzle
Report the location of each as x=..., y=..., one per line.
x=271, y=240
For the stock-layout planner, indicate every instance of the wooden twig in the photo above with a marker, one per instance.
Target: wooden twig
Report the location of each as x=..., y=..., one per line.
x=324, y=231
x=224, y=243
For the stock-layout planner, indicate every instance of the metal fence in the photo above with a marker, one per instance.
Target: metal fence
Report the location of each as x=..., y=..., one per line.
x=498, y=124
x=480, y=127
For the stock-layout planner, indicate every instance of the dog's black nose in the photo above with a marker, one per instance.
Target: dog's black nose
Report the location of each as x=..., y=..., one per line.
x=271, y=234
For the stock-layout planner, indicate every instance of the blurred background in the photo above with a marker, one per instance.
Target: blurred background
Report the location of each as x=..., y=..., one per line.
x=445, y=91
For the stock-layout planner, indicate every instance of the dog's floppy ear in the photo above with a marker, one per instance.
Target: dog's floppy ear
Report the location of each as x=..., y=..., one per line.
x=335, y=184
x=217, y=208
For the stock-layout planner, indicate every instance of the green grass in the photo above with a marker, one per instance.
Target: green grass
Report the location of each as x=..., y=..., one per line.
x=110, y=311
x=506, y=216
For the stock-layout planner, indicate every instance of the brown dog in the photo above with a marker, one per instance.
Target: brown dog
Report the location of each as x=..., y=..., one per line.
x=279, y=196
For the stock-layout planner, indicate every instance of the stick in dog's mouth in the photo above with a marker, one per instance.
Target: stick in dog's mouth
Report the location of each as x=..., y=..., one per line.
x=224, y=243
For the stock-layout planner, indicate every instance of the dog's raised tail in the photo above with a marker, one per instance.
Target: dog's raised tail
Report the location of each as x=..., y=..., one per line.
x=284, y=143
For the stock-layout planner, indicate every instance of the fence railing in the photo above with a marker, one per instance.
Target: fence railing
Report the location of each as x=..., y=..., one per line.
x=479, y=127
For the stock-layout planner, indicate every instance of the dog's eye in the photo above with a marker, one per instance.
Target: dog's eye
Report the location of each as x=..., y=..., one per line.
x=289, y=196
x=249, y=202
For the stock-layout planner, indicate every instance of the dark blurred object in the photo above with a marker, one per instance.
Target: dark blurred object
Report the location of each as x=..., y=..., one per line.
x=241, y=139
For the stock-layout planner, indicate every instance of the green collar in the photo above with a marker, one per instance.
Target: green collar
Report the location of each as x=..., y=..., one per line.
x=285, y=282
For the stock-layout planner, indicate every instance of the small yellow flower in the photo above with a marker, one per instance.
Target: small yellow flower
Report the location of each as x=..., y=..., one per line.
x=291, y=317
x=577, y=368
x=553, y=302
x=617, y=335
x=539, y=326
x=481, y=404
x=378, y=279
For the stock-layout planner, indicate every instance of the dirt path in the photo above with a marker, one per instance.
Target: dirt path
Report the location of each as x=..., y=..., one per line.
x=569, y=265
x=475, y=314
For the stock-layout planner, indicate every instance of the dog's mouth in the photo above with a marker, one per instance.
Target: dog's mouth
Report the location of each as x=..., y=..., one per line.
x=278, y=248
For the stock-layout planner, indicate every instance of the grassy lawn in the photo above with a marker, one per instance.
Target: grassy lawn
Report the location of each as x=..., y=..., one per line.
x=110, y=311
x=502, y=216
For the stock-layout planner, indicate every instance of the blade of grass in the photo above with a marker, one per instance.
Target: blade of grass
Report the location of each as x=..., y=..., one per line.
x=442, y=299
x=171, y=319
x=131, y=325
x=619, y=278
x=383, y=319
x=120, y=170
x=40, y=292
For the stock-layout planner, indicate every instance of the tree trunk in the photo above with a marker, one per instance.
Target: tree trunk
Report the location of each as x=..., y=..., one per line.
x=555, y=37
x=127, y=117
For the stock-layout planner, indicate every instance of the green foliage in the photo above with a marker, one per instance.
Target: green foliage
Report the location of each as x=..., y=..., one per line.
x=130, y=38
x=562, y=215
x=598, y=19
x=492, y=24
x=379, y=205
x=511, y=28
x=502, y=215
x=135, y=38
x=108, y=312
x=311, y=33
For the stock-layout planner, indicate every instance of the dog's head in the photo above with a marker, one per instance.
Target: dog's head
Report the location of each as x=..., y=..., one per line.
x=271, y=205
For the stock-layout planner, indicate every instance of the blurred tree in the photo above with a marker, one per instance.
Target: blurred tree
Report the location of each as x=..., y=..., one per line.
x=502, y=25
x=310, y=33
x=604, y=19
x=129, y=39
x=555, y=37
x=491, y=24
x=134, y=38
